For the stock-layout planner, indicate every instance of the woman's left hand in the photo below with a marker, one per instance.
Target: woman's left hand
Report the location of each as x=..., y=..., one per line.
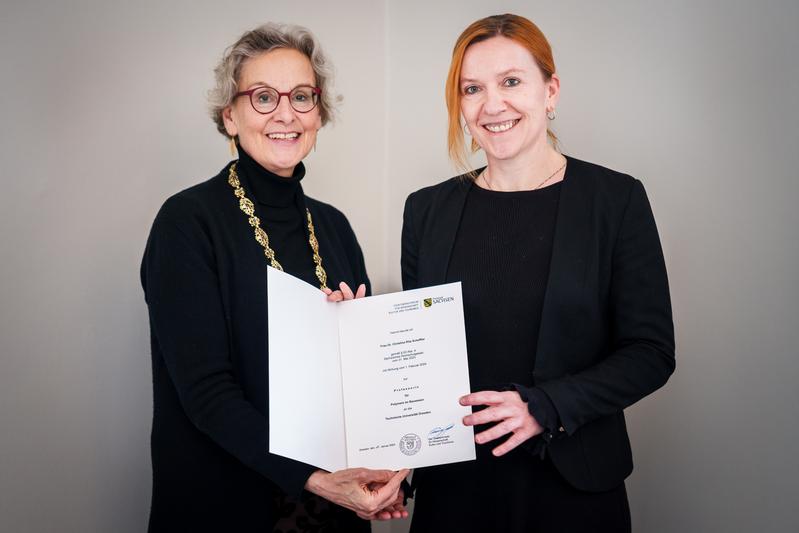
x=344, y=292
x=511, y=414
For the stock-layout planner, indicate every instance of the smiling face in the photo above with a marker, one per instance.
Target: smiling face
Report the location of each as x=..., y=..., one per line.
x=279, y=140
x=505, y=98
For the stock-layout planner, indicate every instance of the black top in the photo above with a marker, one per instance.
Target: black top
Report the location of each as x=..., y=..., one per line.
x=281, y=208
x=606, y=337
x=501, y=254
x=204, y=279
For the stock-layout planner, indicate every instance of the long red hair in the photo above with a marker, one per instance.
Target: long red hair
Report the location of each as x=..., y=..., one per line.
x=514, y=27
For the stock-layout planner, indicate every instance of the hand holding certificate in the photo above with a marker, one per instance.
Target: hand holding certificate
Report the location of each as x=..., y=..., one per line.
x=374, y=384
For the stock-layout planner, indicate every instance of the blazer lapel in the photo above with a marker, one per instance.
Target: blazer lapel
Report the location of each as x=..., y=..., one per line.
x=567, y=269
x=437, y=247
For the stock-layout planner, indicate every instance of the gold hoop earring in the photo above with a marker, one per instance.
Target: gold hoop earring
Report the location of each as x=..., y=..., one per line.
x=551, y=114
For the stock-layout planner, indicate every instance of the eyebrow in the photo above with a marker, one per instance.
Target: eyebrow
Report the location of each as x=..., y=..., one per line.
x=264, y=84
x=499, y=75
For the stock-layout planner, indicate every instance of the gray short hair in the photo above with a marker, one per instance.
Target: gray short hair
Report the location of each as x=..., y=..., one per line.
x=263, y=39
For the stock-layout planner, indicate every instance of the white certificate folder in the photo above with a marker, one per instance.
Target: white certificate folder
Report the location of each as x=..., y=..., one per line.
x=372, y=382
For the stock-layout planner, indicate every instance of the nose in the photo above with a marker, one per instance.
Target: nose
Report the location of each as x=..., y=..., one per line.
x=494, y=102
x=283, y=112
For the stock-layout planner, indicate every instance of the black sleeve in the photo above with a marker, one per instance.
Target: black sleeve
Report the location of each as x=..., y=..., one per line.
x=543, y=410
x=641, y=357
x=410, y=248
x=188, y=323
x=540, y=406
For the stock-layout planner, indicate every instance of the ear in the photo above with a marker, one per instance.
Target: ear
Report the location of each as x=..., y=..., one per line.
x=553, y=91
x=230, y=124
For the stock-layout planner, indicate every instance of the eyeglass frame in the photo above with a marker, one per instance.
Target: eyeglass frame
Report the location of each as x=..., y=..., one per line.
x=315, y=90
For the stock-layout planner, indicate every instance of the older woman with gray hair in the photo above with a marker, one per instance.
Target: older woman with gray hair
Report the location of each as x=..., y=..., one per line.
x=205, y=283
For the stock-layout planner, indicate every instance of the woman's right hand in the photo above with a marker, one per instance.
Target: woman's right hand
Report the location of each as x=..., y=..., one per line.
x=367, y=492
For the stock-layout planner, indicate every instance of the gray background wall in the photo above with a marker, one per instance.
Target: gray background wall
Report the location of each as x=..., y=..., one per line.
x=104, y=117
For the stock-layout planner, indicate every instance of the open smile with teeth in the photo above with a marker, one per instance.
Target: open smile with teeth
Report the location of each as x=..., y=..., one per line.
x=283, y=136
x=499, y=127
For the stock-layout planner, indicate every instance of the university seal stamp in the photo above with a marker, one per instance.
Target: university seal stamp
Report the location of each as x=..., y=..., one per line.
x=410, y=444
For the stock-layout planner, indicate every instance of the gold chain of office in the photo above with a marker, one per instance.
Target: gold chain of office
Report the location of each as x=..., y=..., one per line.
x=246, y=205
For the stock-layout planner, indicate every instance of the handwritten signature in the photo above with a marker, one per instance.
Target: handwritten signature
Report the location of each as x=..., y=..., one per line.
x=440, y=431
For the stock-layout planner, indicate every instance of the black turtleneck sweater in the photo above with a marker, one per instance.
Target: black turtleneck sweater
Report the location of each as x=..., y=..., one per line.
x=281, y=207
x=204, y=279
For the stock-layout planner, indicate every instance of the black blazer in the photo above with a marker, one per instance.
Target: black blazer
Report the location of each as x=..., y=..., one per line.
x=606, y=337
x=204, y=279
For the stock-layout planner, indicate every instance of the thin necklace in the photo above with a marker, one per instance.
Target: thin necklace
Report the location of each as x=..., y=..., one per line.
x=490, y=188
x=246, y=205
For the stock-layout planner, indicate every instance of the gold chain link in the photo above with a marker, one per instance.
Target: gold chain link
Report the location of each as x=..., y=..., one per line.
x=246, y=205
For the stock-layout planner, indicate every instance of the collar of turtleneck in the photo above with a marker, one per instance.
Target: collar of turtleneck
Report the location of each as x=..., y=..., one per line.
x=267, y=187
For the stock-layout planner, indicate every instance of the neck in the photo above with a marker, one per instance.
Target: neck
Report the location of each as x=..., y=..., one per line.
x=526, y=171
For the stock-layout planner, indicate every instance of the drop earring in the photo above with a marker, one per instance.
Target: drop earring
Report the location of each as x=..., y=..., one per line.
x=551, y=114
x=232, y=142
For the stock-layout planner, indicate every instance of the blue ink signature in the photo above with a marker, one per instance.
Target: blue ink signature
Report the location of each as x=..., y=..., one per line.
x=440, y=431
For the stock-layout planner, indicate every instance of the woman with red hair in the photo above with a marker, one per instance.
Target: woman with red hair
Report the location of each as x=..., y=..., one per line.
x=566, y=300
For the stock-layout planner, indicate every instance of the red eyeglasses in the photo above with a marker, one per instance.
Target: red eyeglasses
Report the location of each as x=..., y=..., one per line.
x=264, y=99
